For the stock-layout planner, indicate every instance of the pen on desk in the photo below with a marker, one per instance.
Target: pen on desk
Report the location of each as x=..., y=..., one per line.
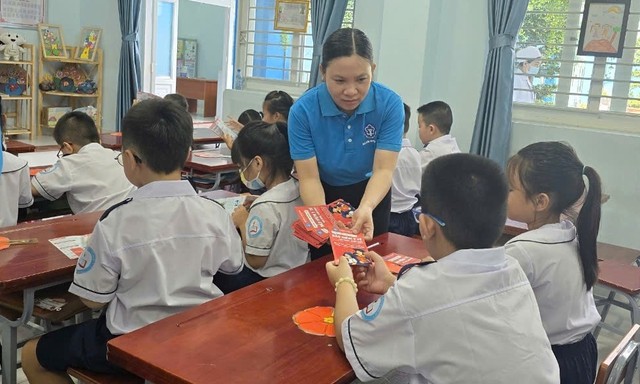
x=373, y=245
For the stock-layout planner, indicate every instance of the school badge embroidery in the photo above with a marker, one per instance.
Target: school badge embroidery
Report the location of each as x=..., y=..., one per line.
x=86, y=261
x=370, y=131
x=372, y=310
x=255, y=227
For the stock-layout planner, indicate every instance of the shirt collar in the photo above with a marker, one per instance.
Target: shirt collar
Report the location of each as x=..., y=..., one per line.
x=171, y=188
x=563, y=231
x=329, y=108
x=90, y=147
x=487, y=257
x=406, y=142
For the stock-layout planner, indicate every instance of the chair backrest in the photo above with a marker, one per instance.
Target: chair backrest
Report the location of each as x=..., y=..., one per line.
x=620, y=364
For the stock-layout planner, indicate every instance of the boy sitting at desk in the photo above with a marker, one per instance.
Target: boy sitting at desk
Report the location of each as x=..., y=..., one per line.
x=149, y=257
x=87, y=172
x=471, y=316
x=434, y=127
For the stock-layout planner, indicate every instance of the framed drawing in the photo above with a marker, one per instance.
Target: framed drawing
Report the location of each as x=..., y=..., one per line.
x=51, y=41
x=604, y=25
x=291, y=15
x=22, y=13
x=89, y=40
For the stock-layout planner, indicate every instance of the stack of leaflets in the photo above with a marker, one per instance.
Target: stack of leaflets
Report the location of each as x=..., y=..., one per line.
x=220, y=129
x=396, y=261
x=352, y=246
x=316, y=222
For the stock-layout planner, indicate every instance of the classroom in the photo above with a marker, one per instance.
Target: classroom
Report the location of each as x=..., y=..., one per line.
x=224, y=56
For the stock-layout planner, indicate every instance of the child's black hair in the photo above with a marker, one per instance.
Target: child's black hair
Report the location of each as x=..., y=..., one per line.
x=161, y=132
x=76, y=128
x=469, y=194
x=407, y=117
x=346, y=42
x=249, y=115
x=554, y=168
x=270, y=142
x=439, y=114
x=278, y=102
x=178, y=99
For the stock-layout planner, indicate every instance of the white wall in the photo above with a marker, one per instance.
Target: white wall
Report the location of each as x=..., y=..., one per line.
x=206, y=24
x=72, y=15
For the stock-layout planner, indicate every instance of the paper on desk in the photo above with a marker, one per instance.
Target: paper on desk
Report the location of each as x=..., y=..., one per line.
x=228, y=200
x=71, y=246
x=40, y=159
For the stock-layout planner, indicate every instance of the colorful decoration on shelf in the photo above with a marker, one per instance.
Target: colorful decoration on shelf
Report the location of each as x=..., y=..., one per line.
x=46, y=83
x=13, y=80
x=67, y=78
x=87, y=87
x=51, y=41
x=89, y=40
x=67, y=85
x=12, y=45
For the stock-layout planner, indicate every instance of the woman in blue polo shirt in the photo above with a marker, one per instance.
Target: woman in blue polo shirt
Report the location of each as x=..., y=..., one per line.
x=345, y=134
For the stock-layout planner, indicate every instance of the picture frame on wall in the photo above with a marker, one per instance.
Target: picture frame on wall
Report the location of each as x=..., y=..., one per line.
x=88, y=46
x=603, y=29
x=22, y=13
x=187, y=57
x=51, y=41
x=291, y=15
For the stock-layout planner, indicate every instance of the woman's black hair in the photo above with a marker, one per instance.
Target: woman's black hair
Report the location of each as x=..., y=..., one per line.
x=346, y=42
x=249, y=115
x=278, y=102
x=554, y=168
x=270, y=142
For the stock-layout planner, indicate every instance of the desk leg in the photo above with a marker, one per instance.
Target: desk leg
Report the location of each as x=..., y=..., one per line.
x=9, y=353
x=193, y=105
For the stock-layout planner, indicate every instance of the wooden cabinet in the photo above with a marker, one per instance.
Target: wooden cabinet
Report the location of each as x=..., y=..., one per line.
x=18, y=92
x=68, y=96
x=199, y=89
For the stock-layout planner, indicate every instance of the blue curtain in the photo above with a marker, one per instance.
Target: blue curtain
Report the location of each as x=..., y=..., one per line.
x=492, y=131
x=129, y=77
x=326, y=18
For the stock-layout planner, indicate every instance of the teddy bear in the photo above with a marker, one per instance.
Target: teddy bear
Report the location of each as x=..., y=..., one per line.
x=12, y=45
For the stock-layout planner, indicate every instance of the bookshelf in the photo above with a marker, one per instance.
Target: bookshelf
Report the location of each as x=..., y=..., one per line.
x=18, y=108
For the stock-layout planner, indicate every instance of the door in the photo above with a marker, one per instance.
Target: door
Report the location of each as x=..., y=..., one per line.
x=164, y=43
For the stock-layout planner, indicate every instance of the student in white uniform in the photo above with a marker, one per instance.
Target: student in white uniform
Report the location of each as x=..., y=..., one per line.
x=14, y=188
x=87, y=172
x=470, y=317
x=528, y=62
x=434, y=127
x=560, y=259
x=405, y=186
x=149, y=257
x=262, y=153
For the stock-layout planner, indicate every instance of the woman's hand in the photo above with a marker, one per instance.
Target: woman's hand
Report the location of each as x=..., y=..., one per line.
x=375, y=278
x=239, y=216
x=363, y=222
x=338, y=269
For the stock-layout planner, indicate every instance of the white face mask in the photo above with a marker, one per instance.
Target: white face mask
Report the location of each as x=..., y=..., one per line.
x=254, y=183
x=533, y=71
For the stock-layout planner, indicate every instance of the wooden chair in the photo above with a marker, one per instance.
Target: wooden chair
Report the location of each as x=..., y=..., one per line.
x=621, y=363
x=88, y=377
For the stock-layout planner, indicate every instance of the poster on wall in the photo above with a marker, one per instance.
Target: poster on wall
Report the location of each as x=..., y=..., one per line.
x=604, y=25
x=187, y=57
x=291, y=15
x=22, y=13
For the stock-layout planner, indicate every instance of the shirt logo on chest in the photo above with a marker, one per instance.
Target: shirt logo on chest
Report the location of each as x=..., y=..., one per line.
x=370, y=131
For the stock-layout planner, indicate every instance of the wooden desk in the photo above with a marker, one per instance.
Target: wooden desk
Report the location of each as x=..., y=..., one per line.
x=199, y=89
x=200, y=136
x=15, y=147
x=248, y=336
x=215, y=166
x=33, y=267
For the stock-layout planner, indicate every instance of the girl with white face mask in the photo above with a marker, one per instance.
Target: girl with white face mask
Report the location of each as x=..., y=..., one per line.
x=261, y=150
x=529, y=60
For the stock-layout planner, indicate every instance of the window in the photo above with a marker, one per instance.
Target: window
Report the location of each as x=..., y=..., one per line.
x=268, y=54
x=565, y=80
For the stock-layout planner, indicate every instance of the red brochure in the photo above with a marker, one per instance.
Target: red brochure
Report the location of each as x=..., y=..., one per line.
x=353, y=247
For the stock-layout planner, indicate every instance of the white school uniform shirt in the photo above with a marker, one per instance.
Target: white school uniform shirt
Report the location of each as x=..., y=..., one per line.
x=549, y=257
x=443, y=145
x=406, y=178
x=92, y=179
x=522, y=88
x=268, y=230
x=471, y=317
x=15, y=189
x=155, y=255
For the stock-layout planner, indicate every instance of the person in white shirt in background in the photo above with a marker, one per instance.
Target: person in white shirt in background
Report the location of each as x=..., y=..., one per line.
x=15, y=188
x=434, y=123
x=405, y=186
x=528, y=62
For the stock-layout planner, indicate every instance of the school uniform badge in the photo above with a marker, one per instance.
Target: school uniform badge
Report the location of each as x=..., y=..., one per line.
x=255, y=227
x=371, y=311
x=86, y=261
x=370, y=132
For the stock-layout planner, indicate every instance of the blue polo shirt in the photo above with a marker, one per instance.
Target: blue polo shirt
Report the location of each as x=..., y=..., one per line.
x=344, y=145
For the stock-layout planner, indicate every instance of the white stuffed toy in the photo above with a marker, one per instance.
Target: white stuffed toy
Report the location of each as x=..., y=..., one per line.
x=12, y=45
